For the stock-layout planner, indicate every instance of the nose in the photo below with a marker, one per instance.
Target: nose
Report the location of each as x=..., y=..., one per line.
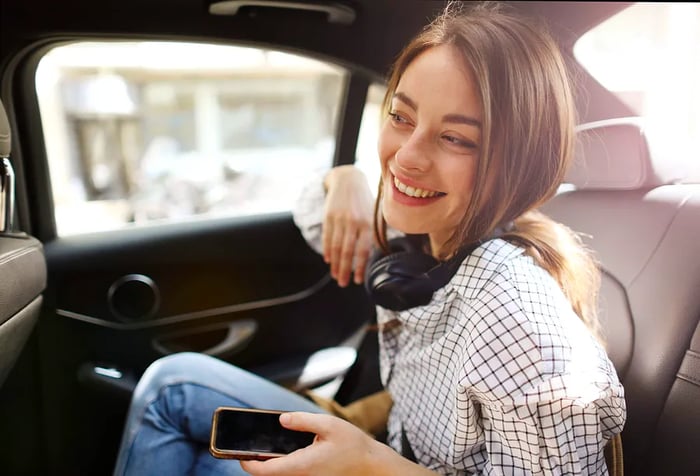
x=413, y=154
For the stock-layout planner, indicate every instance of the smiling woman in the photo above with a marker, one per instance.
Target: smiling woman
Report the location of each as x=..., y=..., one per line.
x=429, y=148
x=98, y=94
x=499, y=370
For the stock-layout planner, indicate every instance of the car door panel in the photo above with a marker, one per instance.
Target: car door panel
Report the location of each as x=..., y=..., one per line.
x=254, y=281
x=207, y=274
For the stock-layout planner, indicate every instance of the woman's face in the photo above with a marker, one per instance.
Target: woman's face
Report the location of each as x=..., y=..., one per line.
x=428, y=146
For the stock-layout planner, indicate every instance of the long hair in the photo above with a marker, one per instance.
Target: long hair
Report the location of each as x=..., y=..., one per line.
x=527, y=140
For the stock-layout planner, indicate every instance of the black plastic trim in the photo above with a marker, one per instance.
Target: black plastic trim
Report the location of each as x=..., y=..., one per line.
x=206, y=313
x=349, y=119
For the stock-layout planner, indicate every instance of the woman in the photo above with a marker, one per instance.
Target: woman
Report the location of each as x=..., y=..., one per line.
x=498, y=369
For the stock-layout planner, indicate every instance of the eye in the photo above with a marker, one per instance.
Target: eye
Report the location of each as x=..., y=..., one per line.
x=398, y=118
x=462, y=143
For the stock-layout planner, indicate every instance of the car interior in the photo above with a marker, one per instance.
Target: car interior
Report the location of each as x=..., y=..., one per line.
x=22, y=267
x=100, y=275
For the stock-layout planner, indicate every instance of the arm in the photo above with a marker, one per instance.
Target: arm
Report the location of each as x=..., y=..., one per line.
x=336, y=218
x=547, y=390
x=560, y=436
x=339, y=449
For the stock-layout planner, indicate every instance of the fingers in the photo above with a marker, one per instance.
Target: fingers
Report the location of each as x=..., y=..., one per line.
x=268, y=468
x=346, y=257
x=339, y=448
x=295, y=463
x=338, y=233
x=327, y=238
x=298, y=461
x=333, y=233
x=256, y=468
x=347, y=223
x=362, y=251
x=346, y=243
x=317, y=423
x=265, y=468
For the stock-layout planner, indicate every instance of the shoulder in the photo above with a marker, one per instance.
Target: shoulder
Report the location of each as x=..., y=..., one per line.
x=517, y=321
x=498, y=266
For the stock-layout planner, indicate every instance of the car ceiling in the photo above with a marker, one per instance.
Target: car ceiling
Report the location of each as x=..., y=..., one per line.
x=381, y=27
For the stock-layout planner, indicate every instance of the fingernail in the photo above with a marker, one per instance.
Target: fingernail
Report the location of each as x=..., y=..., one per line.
x=285, y=418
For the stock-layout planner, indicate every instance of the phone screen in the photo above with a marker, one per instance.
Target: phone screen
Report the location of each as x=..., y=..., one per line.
x=254, y=432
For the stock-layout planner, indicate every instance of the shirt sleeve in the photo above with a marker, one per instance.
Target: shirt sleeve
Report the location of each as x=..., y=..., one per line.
x=308, y=212
x=546, y=401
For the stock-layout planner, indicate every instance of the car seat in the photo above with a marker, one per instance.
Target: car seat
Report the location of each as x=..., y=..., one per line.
x=644, y=225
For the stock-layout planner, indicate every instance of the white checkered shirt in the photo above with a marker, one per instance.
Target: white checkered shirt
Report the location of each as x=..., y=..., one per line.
x=497, y=374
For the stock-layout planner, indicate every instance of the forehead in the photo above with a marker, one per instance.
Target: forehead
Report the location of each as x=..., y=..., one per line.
x=439, y=78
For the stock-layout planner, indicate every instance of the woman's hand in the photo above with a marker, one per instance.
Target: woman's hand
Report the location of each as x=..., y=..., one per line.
x=340, y=448
x=347, y=223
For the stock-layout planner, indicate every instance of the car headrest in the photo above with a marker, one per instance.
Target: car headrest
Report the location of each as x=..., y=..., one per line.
x=4, y=133
x=614, y=154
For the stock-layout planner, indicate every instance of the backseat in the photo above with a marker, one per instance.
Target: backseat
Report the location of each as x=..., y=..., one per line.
x=645, y=228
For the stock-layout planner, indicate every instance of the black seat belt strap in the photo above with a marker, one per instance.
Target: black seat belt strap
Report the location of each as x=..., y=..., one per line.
x=406, y=450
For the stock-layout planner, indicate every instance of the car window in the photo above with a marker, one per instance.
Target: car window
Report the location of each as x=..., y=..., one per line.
x=149, y=132
x=649, y=55
x=366, y=157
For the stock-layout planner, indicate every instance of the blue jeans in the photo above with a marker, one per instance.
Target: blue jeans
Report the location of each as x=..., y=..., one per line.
x=169, y=422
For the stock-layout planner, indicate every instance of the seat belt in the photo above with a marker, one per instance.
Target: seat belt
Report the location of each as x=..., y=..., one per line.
x=406, y=450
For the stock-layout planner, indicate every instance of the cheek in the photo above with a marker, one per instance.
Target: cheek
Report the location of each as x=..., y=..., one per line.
x=463, y=179
x=387, y=144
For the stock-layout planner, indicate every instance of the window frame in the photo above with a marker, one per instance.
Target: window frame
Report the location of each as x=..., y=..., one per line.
x=34, y=201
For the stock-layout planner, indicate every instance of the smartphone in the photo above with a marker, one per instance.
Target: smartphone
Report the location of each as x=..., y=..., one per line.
x=247, y=433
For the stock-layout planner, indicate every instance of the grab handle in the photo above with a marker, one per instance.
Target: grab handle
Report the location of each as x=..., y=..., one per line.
x=336, y=12
x=233, y=337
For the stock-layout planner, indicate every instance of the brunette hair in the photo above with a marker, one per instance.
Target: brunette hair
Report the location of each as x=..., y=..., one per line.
x=527, y=139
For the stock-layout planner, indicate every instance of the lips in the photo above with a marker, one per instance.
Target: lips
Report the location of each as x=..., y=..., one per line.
x=415, y=192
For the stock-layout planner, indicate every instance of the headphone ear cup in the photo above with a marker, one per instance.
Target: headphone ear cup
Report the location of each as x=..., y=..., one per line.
x=398, y=248
x=400, y=281
x=407, y=277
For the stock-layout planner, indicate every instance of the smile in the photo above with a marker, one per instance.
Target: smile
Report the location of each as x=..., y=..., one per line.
x=414, y=191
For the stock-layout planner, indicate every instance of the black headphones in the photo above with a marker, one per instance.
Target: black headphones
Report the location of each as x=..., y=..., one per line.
x=407, y=277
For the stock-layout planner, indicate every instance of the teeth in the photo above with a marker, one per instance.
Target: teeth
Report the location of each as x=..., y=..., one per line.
x=414, y=192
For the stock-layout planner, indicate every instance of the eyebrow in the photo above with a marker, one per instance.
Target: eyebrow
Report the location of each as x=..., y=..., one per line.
x=407, y=100
x=460, y=119
x=453, y=118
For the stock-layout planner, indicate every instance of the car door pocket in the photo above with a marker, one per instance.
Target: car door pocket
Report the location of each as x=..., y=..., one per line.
x=220, y=340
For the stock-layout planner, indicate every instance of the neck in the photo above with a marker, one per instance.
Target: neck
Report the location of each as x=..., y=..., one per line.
x=438, y=249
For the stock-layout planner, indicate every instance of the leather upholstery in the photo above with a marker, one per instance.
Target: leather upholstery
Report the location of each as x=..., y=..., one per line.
x=614, y=154
x=676, y=448
x=22, y=272
x=22, y=281
x=646, y=233
x=14, y=334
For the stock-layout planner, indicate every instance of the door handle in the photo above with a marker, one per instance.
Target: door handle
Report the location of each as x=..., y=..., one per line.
x=235, y=336
x=337, y=13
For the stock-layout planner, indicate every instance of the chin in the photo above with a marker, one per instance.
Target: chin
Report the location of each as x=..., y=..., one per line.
x=403, y=223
